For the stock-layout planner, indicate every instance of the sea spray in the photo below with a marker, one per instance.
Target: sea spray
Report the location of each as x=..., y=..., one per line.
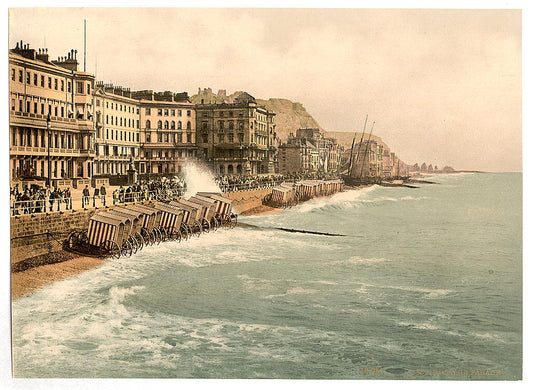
x=198, y=178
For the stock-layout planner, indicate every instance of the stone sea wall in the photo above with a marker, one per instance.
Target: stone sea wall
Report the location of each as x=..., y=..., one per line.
x=38, y=234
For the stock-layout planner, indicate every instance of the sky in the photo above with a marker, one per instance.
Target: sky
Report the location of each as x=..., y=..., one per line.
x=443, y=86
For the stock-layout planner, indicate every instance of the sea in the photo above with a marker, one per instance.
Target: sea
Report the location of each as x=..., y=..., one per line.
x=420, y=283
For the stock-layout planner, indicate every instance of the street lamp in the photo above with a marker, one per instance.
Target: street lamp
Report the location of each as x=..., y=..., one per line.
x=48, y=128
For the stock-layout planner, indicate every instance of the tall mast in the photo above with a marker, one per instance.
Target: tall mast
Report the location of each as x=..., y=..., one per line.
x=366, y=149
x=359, y=147
x=85, y=45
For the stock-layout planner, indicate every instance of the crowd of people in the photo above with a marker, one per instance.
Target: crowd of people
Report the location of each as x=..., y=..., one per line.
x=160, y=188
x=236, y=183
x=37, y=199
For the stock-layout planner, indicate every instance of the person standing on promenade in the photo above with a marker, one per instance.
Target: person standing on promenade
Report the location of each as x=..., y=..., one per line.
x=68, y=198
x=96, y=193
x=103, y=194
x=85, y=196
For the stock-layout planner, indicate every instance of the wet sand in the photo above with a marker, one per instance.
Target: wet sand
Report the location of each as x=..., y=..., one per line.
x=26, y=282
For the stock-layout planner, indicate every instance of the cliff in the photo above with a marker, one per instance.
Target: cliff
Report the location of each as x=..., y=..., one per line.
x=290, y=115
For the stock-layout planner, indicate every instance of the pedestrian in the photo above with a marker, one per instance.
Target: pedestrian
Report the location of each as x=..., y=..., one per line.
x=102, y=194
x=68, y=198
x=85, y=196
x=96, y=193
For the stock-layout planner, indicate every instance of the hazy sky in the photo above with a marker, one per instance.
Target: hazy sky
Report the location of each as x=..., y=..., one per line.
x=444, y=86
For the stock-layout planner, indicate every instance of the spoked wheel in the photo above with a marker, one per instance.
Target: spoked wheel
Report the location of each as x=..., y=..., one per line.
x=233, y=220
x=157, y=236
x=163, y=234
x=146, y=237
x=83, y=241
x=73, y=240
x=134, y=244
x=214, y=223
x=109, y=249
x=176, y=235
x=140, y=240
x=197, y=230
x=127, y=249
x=206, y=225
x=184, y=231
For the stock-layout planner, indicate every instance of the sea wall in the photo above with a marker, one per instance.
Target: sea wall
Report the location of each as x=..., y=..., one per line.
x=248, y=199
x=38, y=234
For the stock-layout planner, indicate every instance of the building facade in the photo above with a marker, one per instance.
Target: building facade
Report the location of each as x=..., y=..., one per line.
x=237, y=137
x=43, y=91
x=309, y=151
x=167, y=132
x=117, y=135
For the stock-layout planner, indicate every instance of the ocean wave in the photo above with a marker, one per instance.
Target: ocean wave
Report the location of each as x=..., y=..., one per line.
x=292, y=291
x=356, y=260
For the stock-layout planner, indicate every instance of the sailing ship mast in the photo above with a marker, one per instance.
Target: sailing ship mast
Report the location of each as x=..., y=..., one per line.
x=358, y=149
x=366, y=149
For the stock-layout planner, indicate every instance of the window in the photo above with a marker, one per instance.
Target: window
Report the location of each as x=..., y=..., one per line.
x=221, y=125
x=160, y=111
x=179, y=112
x=20, y=76
x=148, y=112
x=42, y=108
x=35, y=107
x=35, y=79
x=166, y=112
x=180, y=138
x=231, y=125
x=55, y=111
x=50, y=82
x=28, y=77
x=221, y=138
x=62, y=85
x=241, y=137
x=188, y=125
x=166, y=125
x=148, y=137
x=13, y=74
x=231, y=138
x=79, y=87
x=13, y=104
x=179, y=125
x=204, y=125
x=173, y=112
x=88, y=88
x=148, y=125
x=222, y=114
x=189, y=137
x=204, y=138
x=159, y=124
x=55, y=84
x=159, y=137
x=27, y=106
x=68, y=87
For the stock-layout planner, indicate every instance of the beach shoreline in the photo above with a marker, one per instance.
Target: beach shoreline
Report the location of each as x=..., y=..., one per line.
x=25, y=283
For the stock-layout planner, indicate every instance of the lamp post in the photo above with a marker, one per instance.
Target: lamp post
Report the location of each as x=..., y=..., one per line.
x=48, y=128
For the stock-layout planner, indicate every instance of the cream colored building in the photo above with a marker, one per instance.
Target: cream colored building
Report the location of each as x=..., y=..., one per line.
x=38, y=88
x=167, y=132
x=117, y=123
